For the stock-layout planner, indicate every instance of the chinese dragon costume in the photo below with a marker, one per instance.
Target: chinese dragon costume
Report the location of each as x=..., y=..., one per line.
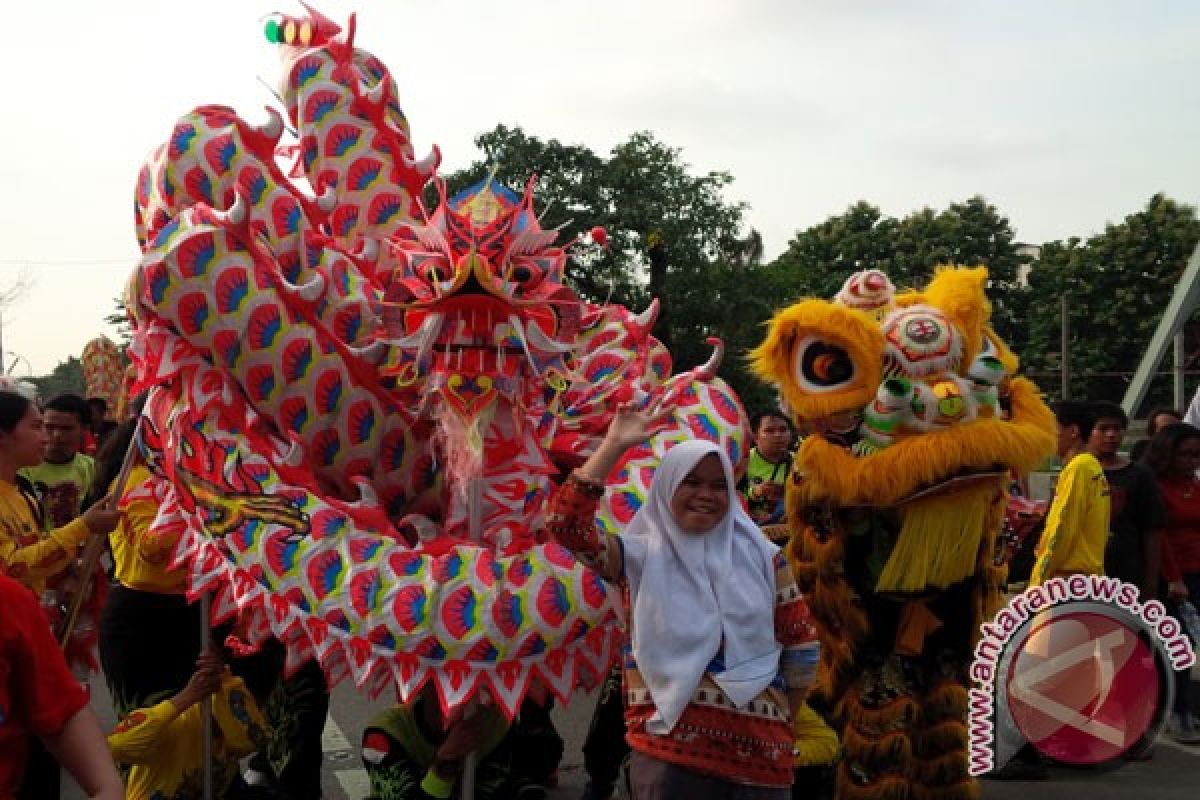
x=913, y=420
x=358, y=407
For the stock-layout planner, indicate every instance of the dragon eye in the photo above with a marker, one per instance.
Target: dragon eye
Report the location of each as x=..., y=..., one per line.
x=822, y=366
x=436, y=274
x=522, y=274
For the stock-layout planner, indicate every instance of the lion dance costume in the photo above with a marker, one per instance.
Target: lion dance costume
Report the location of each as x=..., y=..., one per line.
x=915, y=420
x=358, y=406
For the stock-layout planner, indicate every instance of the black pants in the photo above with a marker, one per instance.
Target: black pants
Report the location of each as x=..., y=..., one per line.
x=605, y=748
x=1183, y=678
x=537, y=748
x=296, y=707
x=148, y=646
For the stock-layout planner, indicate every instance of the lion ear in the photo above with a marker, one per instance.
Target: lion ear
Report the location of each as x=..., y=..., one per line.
x=959, y=293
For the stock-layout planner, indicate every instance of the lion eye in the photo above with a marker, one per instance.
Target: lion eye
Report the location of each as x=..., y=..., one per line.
x=989, y=347
x=822, y=366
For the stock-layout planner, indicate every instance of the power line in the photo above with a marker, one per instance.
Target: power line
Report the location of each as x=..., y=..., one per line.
x=42, y=262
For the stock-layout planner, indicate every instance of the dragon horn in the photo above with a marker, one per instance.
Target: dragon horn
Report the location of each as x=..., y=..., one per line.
x=322, y=24
x=708, y=370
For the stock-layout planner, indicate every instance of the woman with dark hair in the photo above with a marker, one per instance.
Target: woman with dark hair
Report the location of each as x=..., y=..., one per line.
x=1156, y=420
x=25, y=554
x=149, y=635
x=1174, y=456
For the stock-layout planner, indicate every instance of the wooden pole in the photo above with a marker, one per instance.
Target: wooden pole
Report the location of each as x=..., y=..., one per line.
x=94, y=548
x=1180, y=357
x=206, y=712
x=1065, y=355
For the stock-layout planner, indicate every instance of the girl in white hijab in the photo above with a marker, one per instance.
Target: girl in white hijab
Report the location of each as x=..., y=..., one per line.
x=721, y=649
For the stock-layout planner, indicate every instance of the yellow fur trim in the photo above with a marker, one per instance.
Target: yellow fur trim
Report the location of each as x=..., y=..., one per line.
x=947, y=701
x=892, y=752
x=897, y=715
x=939, y=540
x=833, y=475
x=854, y=331
x=840, y=623
x=816, y=742
x=947, y=770
x=937, y=740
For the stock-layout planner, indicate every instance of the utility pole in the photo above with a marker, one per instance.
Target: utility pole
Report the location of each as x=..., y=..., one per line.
x=1180, y=356
x=1065, y=355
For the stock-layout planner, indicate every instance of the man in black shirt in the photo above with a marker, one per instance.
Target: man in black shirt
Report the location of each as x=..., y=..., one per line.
x=1138, y=513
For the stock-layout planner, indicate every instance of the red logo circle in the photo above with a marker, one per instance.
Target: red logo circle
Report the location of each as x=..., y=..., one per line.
x=1084, y=687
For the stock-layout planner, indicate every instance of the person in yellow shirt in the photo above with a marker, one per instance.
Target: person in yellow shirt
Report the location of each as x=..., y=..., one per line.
x=1076, y=532
x=25, y=555
x=162, y=745
x=146, y=595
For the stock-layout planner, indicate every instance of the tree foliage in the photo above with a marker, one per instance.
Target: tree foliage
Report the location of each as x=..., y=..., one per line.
x=1117, y=285
x=820, y=258
x=66, y=377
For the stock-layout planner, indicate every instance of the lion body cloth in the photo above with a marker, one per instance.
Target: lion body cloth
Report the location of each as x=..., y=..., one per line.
x=914, y=420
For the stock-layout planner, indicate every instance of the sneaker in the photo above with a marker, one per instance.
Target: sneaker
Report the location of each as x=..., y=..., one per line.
x=1183, y=728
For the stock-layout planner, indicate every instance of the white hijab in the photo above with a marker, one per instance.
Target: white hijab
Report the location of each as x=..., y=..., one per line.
x=692, y=595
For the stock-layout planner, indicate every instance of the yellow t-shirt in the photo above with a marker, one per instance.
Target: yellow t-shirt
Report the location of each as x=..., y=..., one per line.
x=1076, y=529
x=62, y=487
x=141, y=558
x=25, y=555
x=163, y=748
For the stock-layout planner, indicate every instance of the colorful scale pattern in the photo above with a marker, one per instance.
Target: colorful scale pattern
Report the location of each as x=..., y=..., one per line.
x=271, y=331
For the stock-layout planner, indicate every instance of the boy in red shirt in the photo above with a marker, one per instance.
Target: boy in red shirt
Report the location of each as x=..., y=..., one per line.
x=39, y=696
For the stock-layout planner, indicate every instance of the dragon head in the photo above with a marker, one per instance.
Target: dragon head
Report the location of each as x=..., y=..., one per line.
x=477, y=311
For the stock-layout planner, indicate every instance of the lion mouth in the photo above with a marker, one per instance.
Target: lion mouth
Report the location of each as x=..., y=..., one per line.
x=935, y=462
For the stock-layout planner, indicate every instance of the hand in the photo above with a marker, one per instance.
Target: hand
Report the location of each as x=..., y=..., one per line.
x=462, y=737
x=101, y=518
x=1177, y=590
x=631, y=426
x=204, y=681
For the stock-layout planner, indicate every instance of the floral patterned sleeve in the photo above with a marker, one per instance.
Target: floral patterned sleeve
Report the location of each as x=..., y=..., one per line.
x=571, y=521
x=794, y=629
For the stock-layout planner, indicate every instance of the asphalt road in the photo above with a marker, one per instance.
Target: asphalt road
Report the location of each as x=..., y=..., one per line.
x=1172, y=774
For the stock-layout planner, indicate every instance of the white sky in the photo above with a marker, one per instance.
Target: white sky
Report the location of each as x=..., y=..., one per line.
x=1065, y=115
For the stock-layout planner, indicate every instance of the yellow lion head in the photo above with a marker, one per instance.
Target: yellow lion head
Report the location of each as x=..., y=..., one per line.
x=907, y=401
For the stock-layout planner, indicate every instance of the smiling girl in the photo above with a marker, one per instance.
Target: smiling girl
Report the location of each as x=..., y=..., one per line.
x=721, y=650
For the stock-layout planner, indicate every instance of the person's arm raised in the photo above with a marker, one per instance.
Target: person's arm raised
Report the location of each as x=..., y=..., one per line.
x=571, y=516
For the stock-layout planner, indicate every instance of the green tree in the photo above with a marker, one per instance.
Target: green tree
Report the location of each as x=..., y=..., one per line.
x=820, y=258
x=1117, y=284
x=672, y=235
x=119, y=319
x=66, y=377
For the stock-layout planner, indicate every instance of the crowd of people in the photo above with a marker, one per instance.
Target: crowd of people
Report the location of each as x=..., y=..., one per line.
x=1135, y=517
x=720, y=647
